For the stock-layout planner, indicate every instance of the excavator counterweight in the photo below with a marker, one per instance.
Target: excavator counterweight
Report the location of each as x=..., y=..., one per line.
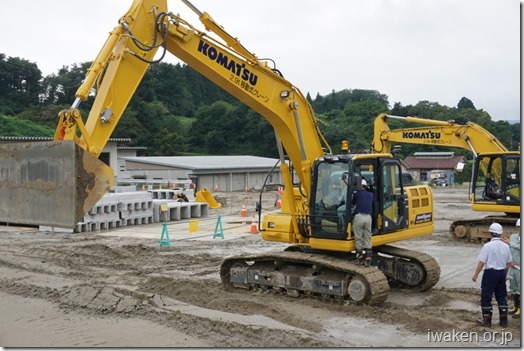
x=50, y=183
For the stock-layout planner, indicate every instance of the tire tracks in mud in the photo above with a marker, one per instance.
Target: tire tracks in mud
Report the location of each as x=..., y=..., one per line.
x=179, y=287
x=89, y=266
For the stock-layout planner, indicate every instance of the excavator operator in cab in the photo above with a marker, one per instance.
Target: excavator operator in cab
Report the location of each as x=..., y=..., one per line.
x=492, y=190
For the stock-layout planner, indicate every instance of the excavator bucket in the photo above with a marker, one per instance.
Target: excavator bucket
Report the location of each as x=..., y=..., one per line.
x=203, y=195
x=50, y=183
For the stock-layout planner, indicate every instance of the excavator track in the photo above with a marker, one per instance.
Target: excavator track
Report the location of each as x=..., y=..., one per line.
x=407, y=268
x=297, y=273
x=477, y=229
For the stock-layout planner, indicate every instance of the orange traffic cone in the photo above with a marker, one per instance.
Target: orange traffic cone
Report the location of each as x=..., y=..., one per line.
x=279, y=202
x=280, y=190
x=254, y=229
x=244, y=211
x=216, y=187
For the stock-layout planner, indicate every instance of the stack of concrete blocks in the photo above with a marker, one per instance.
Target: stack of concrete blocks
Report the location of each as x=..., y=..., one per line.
x=135, y=208
x=104, y=215
x=169, y=194
x=112, y=211
x=177, y=209
x=128, y=208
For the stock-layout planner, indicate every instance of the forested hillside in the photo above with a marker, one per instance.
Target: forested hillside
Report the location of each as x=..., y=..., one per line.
x=176, y=111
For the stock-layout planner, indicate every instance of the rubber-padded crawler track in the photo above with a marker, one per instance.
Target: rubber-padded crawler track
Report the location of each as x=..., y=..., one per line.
x=429, y=264
x=375, y=279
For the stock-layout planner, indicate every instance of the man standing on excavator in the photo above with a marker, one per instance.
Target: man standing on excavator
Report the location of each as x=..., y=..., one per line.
x=363, y=201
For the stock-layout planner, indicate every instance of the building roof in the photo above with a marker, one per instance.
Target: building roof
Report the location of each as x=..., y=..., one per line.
x=433, y=162
x=434, y=154
x=131, y=148
x=206, y=162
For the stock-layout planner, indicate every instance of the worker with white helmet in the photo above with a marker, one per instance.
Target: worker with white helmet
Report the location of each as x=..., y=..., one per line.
x=514, y=272
x=494, y=258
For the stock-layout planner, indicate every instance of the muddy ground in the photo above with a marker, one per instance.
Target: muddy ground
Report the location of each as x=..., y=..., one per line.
x=105, y=290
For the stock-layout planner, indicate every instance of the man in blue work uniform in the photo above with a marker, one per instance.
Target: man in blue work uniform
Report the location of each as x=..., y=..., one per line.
x=495, y=258
x=363, y=201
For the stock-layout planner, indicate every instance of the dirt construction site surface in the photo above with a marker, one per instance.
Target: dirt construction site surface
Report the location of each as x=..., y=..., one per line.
x=120, y=288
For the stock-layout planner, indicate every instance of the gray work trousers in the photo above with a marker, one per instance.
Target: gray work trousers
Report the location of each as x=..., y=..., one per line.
x=362, y=231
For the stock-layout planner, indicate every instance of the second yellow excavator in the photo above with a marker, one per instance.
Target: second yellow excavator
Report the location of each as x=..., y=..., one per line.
x=495, y=183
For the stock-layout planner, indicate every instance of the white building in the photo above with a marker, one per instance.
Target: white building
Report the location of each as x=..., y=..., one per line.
x=227, y=173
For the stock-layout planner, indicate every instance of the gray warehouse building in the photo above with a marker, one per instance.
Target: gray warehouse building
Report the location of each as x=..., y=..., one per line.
x=225, y=173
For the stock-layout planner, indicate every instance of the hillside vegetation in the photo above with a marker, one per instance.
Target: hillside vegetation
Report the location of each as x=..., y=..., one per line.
x=176, y=111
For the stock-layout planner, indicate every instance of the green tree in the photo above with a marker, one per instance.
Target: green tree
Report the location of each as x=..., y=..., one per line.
x=208, y=134
x=19, y=84
x=130, y=127
x=465, y=103
x=177, y=110
x=514, y=143
x=60, y=88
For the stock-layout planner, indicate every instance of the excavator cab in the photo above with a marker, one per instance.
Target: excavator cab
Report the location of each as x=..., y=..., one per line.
x=337, y=178
x=496, y=182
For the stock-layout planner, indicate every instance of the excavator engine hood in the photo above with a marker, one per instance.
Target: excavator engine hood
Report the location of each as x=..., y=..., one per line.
x=50, y=183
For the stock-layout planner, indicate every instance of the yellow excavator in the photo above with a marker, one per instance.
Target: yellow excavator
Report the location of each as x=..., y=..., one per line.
x=55, y=183
x=495, y=182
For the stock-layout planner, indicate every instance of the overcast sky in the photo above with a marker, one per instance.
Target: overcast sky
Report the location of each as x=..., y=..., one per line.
x=410, y=50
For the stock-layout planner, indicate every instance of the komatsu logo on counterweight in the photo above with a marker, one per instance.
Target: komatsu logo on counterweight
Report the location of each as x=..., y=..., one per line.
x=421, y=135
x=238, y=69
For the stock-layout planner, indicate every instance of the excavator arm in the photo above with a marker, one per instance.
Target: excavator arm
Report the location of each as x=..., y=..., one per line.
x=471, y=136
x=114, y=76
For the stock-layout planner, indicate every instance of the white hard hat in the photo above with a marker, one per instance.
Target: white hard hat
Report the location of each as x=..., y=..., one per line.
x=518, y=223
x=495, y=229
x=364, y=183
